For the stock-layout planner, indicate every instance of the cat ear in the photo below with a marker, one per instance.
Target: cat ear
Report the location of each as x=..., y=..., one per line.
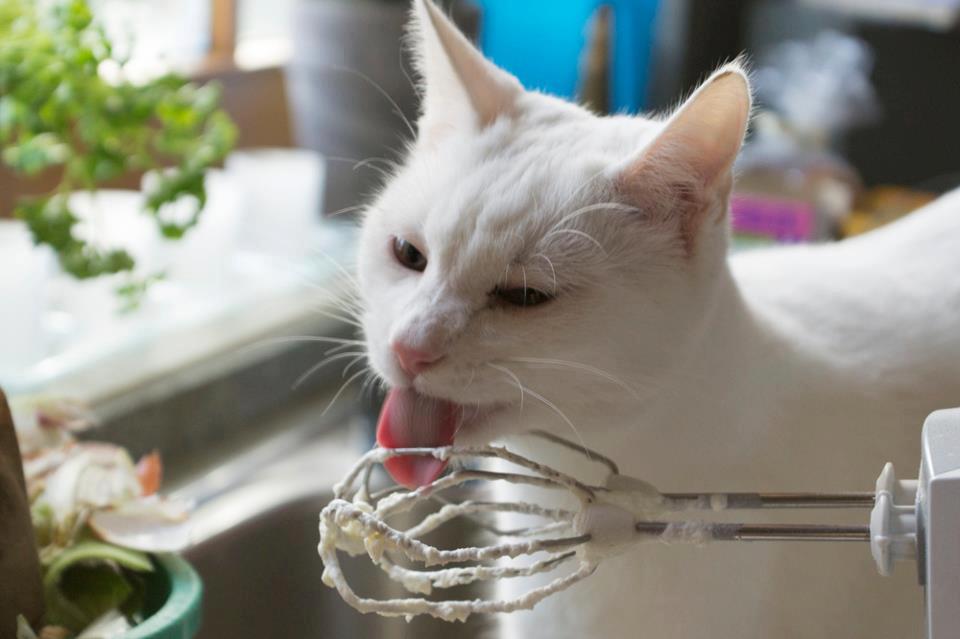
x=461, y=86
x=687, y=167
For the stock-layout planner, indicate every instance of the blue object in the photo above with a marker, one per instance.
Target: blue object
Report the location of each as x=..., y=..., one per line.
x=542, y=41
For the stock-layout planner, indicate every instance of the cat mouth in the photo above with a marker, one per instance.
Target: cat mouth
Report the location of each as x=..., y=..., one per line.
x=410, y=419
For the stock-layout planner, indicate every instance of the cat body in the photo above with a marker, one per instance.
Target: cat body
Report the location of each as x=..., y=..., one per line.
x=813, y=379
x=532, y=265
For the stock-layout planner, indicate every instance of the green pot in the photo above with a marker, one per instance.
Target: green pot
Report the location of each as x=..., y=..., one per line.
x=174, y=597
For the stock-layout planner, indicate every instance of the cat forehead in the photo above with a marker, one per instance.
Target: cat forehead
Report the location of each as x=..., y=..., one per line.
x=495, y=211
x=510, y=176
x=483, y=201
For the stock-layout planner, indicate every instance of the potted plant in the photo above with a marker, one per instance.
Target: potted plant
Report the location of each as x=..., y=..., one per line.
x=102, y=534
x=351, y=87
x=68, y=108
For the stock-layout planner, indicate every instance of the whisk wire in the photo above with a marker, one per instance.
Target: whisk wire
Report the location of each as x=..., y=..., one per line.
x=608, y=519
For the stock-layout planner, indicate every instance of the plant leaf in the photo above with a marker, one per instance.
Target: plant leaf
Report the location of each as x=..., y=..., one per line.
x=57, y=111
x=85, y=581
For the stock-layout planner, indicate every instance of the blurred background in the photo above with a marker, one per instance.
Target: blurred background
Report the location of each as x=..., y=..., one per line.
x=218, y=362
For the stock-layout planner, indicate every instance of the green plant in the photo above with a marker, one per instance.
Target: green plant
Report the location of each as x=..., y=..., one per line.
x=66, y=105
x=96, y=515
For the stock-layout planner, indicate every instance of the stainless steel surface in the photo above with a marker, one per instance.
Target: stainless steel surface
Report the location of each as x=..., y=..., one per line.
x=262, y=579
x=223, y=399
x=256, y=528
x=770, y=532
x=741, y=501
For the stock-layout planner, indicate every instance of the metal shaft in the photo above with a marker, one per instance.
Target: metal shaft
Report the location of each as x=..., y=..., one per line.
x=742, y=501
x=768, y=532
x=590, y=454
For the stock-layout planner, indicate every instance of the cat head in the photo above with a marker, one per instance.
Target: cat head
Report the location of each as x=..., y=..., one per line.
x=530, y=258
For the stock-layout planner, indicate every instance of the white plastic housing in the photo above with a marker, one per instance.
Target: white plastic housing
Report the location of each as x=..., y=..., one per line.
x=938, y=517
x=893, y=522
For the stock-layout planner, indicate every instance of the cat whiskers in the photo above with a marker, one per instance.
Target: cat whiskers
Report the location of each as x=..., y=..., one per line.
x=370, y=381
x=391, y=166
x=513, y=376
x=545, y=257
x=473, y=376
x=342, y=310
x=365, y=371
x=356, y=360
x=560, y=413
x=345, y=299
x=324, y=362
x=347, y=209
x=344, y=271
x=342, y=347
x=526, y=390
x=578, y=233
x=463, y=420
x=610, y=207
x=302, y=339
x=342, y=388
x=562, y=363
x=344, y=295
x=583, y=187
x=561, y=227
x=396, y=107
x=336, y=316
x=360, y=164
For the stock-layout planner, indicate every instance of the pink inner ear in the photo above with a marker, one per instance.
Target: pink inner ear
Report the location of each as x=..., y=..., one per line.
x=684, y=173
x=670, y=196
x=462, y=87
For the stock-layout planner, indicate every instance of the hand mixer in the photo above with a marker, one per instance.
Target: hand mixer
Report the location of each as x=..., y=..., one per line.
x=909, y=520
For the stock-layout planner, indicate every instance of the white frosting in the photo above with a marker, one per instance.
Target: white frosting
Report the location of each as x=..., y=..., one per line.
x=635, y=495
x=356, y=523
x=690, y=532
x=611, y=529
x=718, y=502
x=423, y=582
x=355, y=528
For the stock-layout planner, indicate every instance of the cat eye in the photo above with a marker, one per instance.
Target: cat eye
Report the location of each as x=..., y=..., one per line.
x=409, y=255
x=523, y=296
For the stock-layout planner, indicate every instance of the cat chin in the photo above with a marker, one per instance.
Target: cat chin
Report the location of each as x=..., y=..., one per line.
x=481, y=423
x=481, y=427
x=452, y=389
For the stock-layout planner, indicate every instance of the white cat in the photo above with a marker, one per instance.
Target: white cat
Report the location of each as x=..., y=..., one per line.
x=533, y=265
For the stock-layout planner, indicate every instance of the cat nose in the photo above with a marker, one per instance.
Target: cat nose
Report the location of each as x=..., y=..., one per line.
x=414, y=360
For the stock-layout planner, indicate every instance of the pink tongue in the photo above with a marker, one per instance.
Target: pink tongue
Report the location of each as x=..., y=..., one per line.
x=411, y=420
